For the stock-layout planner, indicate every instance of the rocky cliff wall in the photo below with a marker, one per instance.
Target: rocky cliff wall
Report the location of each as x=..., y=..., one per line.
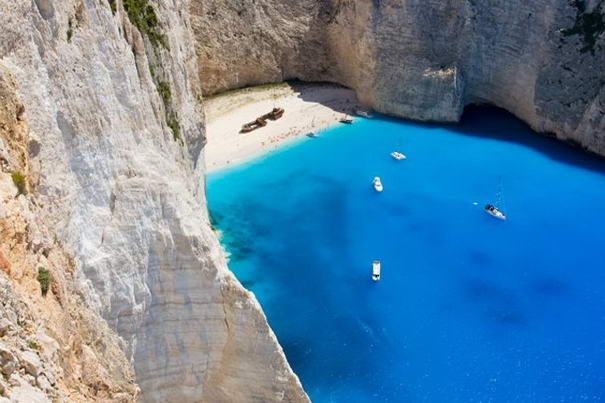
x=421, y=59
x=110, y=95
x=52, y=346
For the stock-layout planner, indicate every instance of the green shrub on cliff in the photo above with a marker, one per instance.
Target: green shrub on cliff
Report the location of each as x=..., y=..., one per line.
x=174, y=125
x=142, y=15
x=172, y=119
x=20, y=183
x=70, y=29
x=44, y=280
x=33, y=345
x=164, y=90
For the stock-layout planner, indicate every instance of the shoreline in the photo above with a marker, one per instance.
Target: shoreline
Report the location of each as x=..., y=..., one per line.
x=308, y=107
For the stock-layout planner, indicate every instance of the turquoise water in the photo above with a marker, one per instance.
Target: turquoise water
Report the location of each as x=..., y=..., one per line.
x=469, y=308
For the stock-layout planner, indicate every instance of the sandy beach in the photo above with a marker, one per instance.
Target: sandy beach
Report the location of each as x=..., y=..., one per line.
x=308, y=107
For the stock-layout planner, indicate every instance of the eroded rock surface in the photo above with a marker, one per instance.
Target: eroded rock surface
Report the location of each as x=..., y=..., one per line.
x=44, y=330
x=113, y=168
x=422, y=59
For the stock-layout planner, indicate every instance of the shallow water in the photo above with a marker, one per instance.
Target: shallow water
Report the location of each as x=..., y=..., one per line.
x=469, y=308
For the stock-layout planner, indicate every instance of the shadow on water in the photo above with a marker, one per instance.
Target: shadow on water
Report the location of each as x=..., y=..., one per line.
x=479, y=258
x=490, y=122
x=496, y=303
x=487, y=122
x=548, y=286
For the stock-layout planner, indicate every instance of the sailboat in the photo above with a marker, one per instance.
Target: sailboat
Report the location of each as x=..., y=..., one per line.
x=496, y=210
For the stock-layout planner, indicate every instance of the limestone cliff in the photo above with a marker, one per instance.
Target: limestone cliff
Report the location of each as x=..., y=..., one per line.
x=52, y=346
x=421, y=59
x=110, y=95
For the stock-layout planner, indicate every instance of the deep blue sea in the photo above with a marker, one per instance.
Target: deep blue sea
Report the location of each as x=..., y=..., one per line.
x=469, y=308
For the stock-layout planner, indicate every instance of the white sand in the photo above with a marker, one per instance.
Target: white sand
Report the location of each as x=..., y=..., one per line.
x=308, y=107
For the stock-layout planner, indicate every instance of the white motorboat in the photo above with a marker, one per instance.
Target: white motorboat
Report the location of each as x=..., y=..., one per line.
x=377, y=184
x=494, y=212
x=376, y=270
x=311, y=134
x=398, y=156
x=364, y=114
x=347, y=119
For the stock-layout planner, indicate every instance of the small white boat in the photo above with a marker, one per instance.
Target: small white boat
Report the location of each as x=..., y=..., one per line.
x=377, y=184
x=376, y=270
x=311, y=134
x=365, y=114
x=398, y=156
x=494, y=212
x=347, y=119
x=494, y=209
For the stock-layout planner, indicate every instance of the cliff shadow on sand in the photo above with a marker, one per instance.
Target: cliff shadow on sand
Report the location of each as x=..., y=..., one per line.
x=337, y=97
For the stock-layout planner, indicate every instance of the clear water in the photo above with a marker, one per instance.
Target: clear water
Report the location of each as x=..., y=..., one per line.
x=469, y=308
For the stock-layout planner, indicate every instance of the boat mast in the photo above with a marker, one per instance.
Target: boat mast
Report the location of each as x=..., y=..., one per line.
x=499, y=195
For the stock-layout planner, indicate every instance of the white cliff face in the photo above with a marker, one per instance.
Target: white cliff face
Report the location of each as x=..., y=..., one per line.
x=421, y=59
x=124, y=192
x=52, y=346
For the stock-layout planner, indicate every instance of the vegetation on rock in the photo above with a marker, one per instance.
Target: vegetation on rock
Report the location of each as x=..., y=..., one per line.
x=164, y=90
x=171, y=117
x=44, y=280
x=142, y=15
x=20, y=183
x=33, y=345
x=590, y=25
x=70, y=29
x=174, y=125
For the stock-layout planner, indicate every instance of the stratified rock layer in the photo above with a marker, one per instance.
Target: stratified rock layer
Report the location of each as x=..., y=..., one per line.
x=115, y=167
x=422, y=59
